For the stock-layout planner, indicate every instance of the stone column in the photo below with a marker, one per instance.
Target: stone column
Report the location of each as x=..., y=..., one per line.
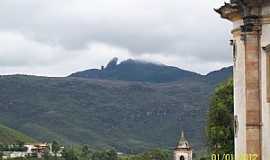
x=251, y=31
x=246, y=16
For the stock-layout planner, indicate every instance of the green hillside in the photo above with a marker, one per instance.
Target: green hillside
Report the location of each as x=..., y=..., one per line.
x=94, y=107
x=11, y=136
x=128, y=116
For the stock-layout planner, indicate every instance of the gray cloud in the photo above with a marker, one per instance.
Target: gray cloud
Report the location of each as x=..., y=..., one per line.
x=62, y=29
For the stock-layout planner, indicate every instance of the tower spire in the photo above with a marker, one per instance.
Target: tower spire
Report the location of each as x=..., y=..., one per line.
x=183, y=142
x=183, y=150
x=182, y=134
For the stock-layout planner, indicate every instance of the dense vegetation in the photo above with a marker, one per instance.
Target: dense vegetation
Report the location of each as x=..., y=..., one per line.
x=130, y=117
x=11, y=136
x=85, y=153
x=220, y=120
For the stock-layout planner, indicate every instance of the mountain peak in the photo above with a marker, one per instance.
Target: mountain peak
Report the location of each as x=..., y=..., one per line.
x=112, y=63
x=143, y=71
x=137, y=70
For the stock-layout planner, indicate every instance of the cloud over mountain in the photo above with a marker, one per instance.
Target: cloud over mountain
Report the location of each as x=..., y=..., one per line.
x=152, y=29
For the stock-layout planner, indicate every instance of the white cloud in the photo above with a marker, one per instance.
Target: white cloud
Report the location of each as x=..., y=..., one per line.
x=62, y=36
x=16, y=50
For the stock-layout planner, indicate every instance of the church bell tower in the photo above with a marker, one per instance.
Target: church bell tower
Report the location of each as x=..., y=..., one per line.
x=183, y=150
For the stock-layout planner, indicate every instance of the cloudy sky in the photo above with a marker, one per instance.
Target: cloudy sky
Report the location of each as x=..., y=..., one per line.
x=58, y=37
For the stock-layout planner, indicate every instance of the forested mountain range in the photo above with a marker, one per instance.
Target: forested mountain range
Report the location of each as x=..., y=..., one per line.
x=136, y=70
x=110, y=107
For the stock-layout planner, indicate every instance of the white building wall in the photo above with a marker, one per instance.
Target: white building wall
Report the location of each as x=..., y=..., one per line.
x=178, y=154
x=8, y=155
x=265, y=105
x=240, y=96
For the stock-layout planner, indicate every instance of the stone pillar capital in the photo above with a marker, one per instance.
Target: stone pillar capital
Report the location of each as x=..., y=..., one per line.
x=251, y=23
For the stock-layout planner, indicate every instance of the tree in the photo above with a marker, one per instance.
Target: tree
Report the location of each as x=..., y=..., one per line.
x=20, y=143
x=104, y=155
x=156, y=154
x=85, y=152
x=2, y=147
x=220, y=130
x=55, y=148
x=47, y=155
x=1, y=154
x=69, y=154
x=112, y=155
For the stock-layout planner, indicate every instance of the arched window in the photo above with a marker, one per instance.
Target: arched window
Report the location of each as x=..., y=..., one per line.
x=182, y=158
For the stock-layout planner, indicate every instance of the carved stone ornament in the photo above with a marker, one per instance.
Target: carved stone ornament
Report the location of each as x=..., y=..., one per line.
x=236, y=125
x=267, y=48
x=234, y=52
x=251, y=23
x=240, y=9
x=229, y=11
